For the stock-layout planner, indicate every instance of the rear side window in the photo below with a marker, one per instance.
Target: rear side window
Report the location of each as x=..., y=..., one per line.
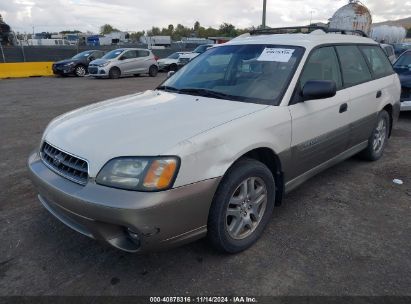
x=129, y=55
x=142, y=53
x=379, y=63
x=322, y=65
x=353, y=66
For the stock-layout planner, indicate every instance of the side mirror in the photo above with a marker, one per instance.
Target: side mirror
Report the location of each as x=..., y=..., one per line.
x=121, y=58
x=170, y=73
x=91, y=58
x=319, y=89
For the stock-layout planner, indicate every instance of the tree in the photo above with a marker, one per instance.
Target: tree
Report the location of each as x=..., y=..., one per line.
x=107, y=29
x=227, y=30
x=155, y=31
x=70, y=32
x=136, y=36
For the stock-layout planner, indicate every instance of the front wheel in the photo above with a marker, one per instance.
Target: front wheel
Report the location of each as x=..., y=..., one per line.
x=378, y=139
x=80, y=71
x=153, y=71
x=242, y=206
x=114, y=73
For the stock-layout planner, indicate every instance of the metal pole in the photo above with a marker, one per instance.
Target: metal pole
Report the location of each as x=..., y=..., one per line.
x=264, y=12
x=2, y=52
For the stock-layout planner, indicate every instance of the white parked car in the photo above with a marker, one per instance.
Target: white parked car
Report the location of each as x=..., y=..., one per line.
x=389, y=51
x=186, y=58
x=170, y=63
x=214, y=148
x=124, y=62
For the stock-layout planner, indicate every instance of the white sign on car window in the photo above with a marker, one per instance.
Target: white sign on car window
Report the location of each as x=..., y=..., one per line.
x=276, y=54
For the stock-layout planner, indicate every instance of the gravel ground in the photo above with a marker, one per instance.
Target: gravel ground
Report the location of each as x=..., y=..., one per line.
x=347, y=231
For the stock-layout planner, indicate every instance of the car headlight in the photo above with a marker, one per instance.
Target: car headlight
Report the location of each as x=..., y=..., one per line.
x=139, y=173
x=103, y=64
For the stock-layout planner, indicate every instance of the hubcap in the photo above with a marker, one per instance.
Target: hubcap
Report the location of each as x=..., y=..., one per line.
x=380, y=135
x=80, y=71
x=246, y=208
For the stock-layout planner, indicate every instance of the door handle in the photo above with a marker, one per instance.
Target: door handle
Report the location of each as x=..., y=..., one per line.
x=379, y=94
x=343, y=108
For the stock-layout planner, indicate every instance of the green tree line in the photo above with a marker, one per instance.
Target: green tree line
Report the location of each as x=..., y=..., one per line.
x=179, y=31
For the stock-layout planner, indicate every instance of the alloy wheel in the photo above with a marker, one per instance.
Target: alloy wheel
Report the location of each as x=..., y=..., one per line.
x=246, y=208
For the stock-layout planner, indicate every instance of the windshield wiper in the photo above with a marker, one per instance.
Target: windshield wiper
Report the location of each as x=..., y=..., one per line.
x=206, y=93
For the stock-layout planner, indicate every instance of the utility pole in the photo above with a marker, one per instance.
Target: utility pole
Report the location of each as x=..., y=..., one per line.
x=264, y=12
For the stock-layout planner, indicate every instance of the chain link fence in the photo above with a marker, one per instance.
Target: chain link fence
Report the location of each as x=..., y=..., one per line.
x=10, y=54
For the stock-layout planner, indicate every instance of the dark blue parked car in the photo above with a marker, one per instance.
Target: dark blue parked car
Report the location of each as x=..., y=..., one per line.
x=403, y=68
x=77, y=65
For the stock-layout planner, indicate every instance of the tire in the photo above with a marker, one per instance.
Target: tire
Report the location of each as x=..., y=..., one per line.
x=232, y=222
x=173, y=67
x=114, y=73
x=80, y=71
x=153, y=71
x=378, y=139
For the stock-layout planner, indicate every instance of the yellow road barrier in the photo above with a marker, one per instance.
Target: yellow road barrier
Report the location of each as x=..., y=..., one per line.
x=25, y=69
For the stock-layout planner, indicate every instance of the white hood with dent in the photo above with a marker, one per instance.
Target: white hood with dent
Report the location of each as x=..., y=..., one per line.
x=143, y=124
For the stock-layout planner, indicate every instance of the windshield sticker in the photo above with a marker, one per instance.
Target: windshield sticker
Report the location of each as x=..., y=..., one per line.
x=275, y=54
x=117, y=53
x=85, y=55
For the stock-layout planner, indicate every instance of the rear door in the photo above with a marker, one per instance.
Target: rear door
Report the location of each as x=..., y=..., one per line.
x=144, y=61
x=320, y=128
x=366, y=75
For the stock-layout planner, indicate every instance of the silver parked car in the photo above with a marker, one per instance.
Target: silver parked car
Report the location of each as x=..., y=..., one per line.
x=124, y=62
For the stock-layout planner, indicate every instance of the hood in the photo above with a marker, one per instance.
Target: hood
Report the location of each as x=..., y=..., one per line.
x=99, y=61
x=65, y=61
x=190, y=55
x=144, y=124
x=167, y=61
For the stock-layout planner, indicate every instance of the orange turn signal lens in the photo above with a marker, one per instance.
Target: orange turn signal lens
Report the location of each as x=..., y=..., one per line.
x=160, y=174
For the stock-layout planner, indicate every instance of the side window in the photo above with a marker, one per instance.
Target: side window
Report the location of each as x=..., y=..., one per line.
x=129, y=55
x=322, y=65
x=142, y=53
x=379, y=63
x=353, y=65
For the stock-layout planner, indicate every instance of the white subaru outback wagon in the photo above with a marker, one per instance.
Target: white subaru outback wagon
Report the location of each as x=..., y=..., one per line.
x=213, y=149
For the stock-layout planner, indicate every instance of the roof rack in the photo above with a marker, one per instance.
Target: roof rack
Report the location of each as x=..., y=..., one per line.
x=304, y=29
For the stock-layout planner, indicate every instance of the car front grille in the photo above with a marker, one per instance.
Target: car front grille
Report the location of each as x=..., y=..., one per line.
x=405, y=94
x=64, y=164
x=92, y=70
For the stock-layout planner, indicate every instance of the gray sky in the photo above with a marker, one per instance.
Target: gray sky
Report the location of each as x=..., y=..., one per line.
x=88, y=15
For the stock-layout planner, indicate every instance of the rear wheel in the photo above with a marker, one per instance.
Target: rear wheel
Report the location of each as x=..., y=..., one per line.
x=114, y=73
x=242, y=206
x=80, y=71
x=378, y=139
x=153, y=71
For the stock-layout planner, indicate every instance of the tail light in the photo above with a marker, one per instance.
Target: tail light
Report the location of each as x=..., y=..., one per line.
x=156, y=57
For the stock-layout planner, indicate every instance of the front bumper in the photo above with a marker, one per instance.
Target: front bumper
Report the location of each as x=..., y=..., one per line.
x=62, y=69
x=97, y=71
x=128, y=220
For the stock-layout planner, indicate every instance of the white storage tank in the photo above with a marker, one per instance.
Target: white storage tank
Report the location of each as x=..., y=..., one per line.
x=353, y=16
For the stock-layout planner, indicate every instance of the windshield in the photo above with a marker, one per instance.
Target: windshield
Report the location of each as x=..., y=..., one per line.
x=174, y=56
x=248, y=73
x=81, y=55
x=201, y=49
x=404, y=61
x=112, y=54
